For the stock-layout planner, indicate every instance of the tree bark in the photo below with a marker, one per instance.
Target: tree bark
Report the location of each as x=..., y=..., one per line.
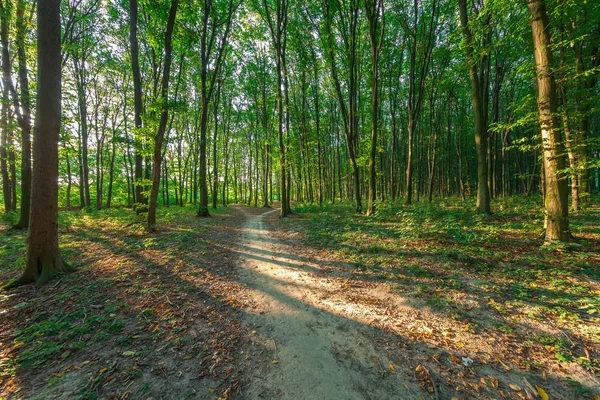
x=43, y=259
x=479, y=128
x=207, y=47
x=137, y=101
x=556, y=193
x=373, y=10
x=6, y=181
x=21, y=105
x=164, y=118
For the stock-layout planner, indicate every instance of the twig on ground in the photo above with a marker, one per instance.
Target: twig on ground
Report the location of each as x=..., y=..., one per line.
x=57, y=283
x=435, y=390
x=567, y=336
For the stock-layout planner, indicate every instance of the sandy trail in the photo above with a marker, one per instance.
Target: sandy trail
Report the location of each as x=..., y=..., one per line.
x=317, y=348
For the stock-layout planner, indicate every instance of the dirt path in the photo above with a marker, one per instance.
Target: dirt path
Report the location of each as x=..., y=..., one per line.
x=316, y=348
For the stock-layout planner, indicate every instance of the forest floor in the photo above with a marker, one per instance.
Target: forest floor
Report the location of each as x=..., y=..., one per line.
x=415, y=302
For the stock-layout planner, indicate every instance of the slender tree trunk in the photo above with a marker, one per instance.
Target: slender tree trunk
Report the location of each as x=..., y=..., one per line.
x=373, y=9
x=215, y=179
x=479, y=128
x=81, y=80
x=208, y=46
x=69, y=181
x=569, y=144
x=137, y=101
x=164, y=118
x=21, y=105
x=6, y=182
x=111, y=174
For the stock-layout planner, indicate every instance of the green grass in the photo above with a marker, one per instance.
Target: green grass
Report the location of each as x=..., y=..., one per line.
x=436, y=251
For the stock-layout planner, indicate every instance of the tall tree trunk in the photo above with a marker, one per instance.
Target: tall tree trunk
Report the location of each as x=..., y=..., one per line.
x=164, y=118
x=6, y=182
x=278, y=30
x=21, y=105
x=348, y=109
x=373, y=10
x=556, y=193
x=69, y=182
x=479, y=128
x=43, y=259
x=570, y=146
x=209, y=45
x=80, y=74
x=111, y=174
x=215, y=179
x=137, y=101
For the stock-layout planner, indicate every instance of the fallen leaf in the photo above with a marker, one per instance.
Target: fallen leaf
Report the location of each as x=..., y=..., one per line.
x=506, y=367
x=129, y=353
x=103, y=370
x=516, y=388
x=274, y=362
x=391, y=366
x=542, y=393
x=494, y=381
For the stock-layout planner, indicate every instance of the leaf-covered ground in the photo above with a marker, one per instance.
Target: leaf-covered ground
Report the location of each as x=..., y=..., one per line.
x=471, y=287
x=145, y=315
x=464, y=306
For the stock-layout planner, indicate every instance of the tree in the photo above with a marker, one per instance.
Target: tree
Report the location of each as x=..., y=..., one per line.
x=375, y=12
x=164, y=116
x=278, y=27
x=479, y=119
x=212, y=50
x=556, y=193
x=137, y=99
x=43, y=259
x=349, y=26
x=20, y=101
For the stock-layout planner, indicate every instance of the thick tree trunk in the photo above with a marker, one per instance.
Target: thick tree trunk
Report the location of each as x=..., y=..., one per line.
x=43, y=259
x=556, y=193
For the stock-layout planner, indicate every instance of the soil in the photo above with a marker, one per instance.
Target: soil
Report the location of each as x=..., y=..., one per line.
x=239, y=307
x=316, y=347
x=325, y=332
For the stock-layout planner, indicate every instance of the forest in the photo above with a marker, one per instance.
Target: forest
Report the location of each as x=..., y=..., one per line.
x=319, y=199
